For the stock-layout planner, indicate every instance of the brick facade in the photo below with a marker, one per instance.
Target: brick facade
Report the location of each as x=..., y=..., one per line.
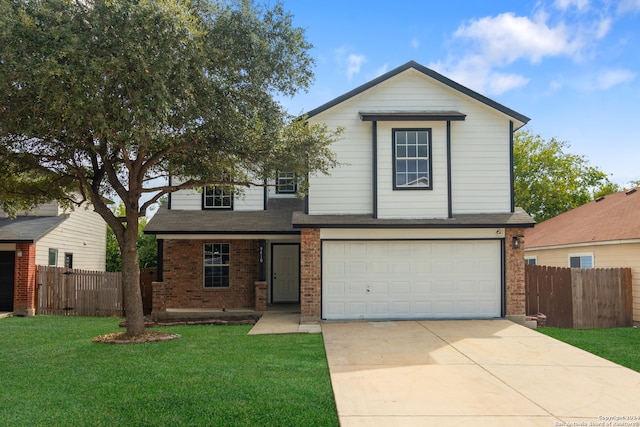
x=310, y=270
x=24, y=299
x=514, y=272
x=183, y=283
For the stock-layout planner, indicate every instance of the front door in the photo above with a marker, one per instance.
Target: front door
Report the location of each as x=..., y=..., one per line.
x=7, y=271
x=285, y=274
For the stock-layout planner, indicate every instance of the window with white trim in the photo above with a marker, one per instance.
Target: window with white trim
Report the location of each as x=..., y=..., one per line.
x=412, y=159
x=581, y=260
x=286, y=183
x=53, y=257
x=531, y=260
x=216, y=265
x=217, y=197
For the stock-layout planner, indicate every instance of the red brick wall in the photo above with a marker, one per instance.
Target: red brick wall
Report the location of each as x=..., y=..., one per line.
x=24, y=296
x=183, y=285
x=514, y=266
x=310, y=270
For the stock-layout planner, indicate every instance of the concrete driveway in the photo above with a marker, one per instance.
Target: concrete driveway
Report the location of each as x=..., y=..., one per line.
x=490, y=372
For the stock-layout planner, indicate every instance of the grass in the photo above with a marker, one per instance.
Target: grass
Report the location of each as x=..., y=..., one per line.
x=619, y=345
x=52, y=374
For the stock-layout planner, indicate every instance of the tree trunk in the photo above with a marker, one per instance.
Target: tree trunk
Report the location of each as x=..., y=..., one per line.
x=131, y=282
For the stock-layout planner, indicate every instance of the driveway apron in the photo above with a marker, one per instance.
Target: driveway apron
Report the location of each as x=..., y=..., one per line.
x=487, y=372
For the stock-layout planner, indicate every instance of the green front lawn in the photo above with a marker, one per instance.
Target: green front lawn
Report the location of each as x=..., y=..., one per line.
x=619, y=345
x=52, y=374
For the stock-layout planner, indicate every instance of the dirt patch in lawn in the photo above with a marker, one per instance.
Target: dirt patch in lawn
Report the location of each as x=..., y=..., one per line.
x=146, y=336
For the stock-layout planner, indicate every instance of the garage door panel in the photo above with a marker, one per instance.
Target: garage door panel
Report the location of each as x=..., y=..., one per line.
x=411, y=279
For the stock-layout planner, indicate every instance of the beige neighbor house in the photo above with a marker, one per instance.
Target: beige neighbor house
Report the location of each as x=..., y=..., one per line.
x=417, y=221
x=51, y=236
x=602, y=233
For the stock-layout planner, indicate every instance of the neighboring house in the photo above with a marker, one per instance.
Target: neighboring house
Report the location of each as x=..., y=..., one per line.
x=48, y=235
x=602, y=233
x=416, y=222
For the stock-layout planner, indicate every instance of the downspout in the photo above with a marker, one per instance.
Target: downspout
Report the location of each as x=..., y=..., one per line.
x=449, y=190
x=511, y=173
x=374, y=168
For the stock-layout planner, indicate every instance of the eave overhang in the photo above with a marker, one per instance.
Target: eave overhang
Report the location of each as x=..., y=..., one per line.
x=400, y=116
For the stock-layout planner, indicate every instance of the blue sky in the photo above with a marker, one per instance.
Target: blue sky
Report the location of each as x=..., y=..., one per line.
x=572, y=66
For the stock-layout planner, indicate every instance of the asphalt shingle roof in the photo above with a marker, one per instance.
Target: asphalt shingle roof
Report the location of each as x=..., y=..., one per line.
x=276, y=219
x=28, y=228
x=614, y=217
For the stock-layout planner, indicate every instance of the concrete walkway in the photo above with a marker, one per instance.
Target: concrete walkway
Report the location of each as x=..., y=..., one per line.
x=282, y=322
x=480, y=373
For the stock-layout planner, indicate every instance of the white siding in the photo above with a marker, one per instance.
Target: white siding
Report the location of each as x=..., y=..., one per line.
x=83, y=234
x=479, y=158
x=348, y=188
x=412, y=203
x=249, y=199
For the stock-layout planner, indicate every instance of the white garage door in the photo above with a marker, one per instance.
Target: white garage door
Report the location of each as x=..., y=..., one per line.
x=411, y=279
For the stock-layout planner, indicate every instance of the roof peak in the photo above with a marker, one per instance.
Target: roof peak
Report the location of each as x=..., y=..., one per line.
x=428, y=72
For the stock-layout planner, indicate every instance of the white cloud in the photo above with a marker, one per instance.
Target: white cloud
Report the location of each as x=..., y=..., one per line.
x=566, y=4
x=629, y=6
x=506, y=38
x=611, y=78
x=604, y=25
x=382, y=69
x=354, y=62
x=501, y=82
x=474, y=72
x=348, y=60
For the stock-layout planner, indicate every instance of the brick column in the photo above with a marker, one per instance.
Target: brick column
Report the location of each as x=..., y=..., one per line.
x=310, y=269
x=261, y=296
x=24, y=296
x=158, y=298
x=514, y=266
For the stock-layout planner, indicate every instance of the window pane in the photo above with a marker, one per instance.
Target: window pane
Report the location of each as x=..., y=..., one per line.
x=412, y=166
x=401, y=138
x=401, y=179
x=422, y=138
x=401, y=150
x=401, y=166
x=586, y=262
x=422, y=151
x=574, y=262
x=411, y=151
x=423, y=166
x=411, y=138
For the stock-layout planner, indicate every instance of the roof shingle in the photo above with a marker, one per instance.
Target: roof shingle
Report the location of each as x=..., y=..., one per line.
x=614, y=217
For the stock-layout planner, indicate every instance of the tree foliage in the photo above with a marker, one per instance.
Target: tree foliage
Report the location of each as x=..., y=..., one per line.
x=106, y=96
x=146, y=244
x=549, y=181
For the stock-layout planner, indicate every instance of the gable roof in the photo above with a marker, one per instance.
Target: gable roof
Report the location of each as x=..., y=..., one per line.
x=428, y=72
x=28, y=228
x=612, y=217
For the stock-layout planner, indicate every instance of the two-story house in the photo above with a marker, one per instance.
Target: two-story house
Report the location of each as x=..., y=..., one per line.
x=417, y=221
x=48, y=235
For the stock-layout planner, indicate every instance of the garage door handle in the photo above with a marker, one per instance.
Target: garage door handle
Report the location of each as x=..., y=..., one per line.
x=368, y=288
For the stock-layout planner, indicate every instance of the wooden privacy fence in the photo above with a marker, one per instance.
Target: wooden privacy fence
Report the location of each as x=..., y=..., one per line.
x=579, y=298
x=73, y=292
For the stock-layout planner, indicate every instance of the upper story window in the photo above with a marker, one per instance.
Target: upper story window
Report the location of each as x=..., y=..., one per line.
x=286, y=183
x=217, y=197
x=581, y=260
x=412, y=159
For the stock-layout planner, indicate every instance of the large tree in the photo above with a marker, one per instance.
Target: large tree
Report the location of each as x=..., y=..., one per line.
x=112, y=95
x=549, y=180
